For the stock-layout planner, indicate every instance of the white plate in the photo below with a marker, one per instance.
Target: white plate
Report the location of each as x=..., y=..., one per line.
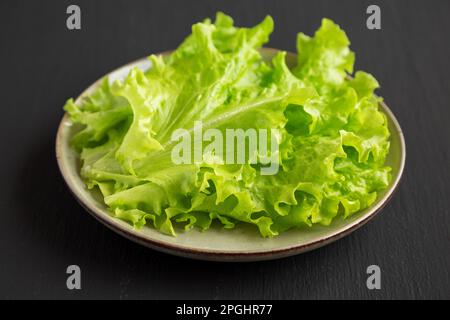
x=242, y=243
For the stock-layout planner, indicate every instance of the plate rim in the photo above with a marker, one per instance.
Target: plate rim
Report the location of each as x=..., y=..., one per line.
x=222, y=254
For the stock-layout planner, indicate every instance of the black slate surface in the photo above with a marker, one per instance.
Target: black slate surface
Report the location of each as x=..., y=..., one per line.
x=43, y=229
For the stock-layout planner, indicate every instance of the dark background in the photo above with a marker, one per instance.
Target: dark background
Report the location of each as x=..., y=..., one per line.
x=43, y=229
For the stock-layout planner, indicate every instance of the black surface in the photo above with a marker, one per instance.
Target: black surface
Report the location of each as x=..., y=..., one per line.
x=43, y=229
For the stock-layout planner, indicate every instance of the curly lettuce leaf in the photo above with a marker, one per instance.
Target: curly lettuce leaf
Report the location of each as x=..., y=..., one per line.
x=332, y=138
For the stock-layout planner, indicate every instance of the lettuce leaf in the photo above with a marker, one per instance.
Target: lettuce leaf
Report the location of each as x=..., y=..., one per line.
x=332, y=138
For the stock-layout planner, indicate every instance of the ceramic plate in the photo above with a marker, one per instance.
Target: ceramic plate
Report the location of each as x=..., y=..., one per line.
x=242, y=243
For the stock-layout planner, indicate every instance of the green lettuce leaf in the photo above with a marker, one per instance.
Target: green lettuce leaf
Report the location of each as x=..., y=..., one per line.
x=332, y=139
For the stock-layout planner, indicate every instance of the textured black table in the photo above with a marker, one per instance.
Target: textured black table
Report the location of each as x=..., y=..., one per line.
x=43, y=229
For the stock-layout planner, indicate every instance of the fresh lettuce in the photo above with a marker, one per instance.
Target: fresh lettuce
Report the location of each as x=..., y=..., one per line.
x=333, y=140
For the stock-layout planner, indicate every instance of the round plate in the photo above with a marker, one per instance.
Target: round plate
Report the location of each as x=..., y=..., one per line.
x=242, y=243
